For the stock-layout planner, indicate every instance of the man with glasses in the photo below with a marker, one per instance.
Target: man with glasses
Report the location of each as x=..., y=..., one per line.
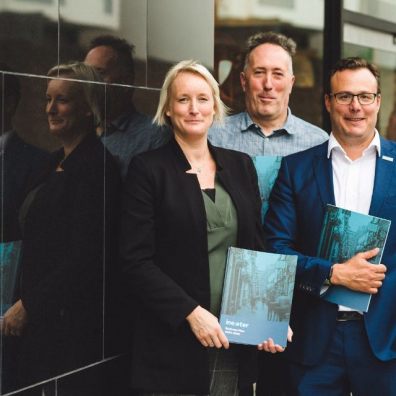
x=336, y=351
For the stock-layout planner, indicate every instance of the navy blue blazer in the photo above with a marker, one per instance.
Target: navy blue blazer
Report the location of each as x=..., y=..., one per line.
x=293, y=224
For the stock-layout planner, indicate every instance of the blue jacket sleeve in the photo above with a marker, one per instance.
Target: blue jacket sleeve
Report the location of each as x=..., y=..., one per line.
x=285, y=233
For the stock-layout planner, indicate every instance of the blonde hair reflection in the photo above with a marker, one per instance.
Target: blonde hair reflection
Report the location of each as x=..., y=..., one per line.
x=94, y=93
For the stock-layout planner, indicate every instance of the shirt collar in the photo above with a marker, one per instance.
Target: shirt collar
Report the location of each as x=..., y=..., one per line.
x=122, y=122
x=247, y=123
x=289, y=124
x=375, y=144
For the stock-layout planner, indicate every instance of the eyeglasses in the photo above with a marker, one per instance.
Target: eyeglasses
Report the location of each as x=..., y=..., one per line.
x=346, y=98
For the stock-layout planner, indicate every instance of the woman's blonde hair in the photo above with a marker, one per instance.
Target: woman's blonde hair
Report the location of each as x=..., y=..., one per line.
x=188, y=66
x=93, y=92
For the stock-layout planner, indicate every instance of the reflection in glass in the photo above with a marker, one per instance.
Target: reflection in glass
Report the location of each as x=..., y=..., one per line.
x=81, y=22
x=126, y=132
x=382, y=9
x=35, y=35
x=69, y=228
x=20, y=162
x=29, y=35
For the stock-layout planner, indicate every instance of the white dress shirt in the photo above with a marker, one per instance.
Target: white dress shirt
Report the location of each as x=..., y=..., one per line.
x=353, y=181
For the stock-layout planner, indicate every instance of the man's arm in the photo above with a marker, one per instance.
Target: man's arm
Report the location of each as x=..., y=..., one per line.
x=358, y=274
x=293, y=225
x=283, y=232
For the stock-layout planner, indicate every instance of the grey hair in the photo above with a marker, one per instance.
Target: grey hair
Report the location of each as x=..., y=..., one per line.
x=287, y=43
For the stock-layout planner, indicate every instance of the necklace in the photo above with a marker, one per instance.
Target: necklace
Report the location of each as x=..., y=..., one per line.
x=199, y=166
x=198, y=169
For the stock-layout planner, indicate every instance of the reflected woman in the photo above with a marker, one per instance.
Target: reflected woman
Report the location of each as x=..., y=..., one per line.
x=184, y=205
x=68, y=221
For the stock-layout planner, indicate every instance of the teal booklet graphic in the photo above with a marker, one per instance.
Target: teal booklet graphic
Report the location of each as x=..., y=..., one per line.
x=267, y=168
x=257, y=296
x=344, y=234
x=10, y=253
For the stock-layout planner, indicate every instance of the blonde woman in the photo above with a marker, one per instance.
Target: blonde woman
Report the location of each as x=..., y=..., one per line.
x=184, y=205
x=68, y=221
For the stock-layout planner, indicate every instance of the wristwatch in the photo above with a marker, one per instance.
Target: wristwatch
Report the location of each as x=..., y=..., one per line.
x=328, y=279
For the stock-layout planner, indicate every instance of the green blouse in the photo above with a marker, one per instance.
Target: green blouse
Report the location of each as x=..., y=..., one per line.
x=222, y=227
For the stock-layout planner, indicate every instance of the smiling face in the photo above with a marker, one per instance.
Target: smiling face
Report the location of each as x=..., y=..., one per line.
x=191, y=106
x=68, y=113
x=353, y=123
x=267, y=82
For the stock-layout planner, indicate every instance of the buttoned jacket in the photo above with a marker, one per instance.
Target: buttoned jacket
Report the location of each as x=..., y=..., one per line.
x=293, y=226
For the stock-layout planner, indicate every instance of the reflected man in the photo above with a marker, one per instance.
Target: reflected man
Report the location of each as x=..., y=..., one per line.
x=127, y=131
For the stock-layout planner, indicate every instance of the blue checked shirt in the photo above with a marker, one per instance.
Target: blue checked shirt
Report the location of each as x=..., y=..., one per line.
x=130, y=134
x=239, y=132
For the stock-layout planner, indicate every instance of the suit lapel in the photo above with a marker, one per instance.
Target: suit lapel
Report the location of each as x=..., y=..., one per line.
x=324, y=177
x=189, y=189
x=384, y=172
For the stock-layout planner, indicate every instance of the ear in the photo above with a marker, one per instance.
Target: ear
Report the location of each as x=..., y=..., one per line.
x=168, y=113
x=293, y=79
x=242, y=78
x=378, y=100
x=327, y=102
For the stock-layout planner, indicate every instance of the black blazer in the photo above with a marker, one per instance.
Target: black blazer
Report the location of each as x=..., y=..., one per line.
x=68, y=241
x=165, y=259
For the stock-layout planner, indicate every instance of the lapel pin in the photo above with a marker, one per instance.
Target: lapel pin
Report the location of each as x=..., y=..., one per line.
x=386, y=158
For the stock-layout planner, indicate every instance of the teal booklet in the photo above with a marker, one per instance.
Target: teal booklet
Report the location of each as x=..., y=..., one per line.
x=257, y=296
x=267, y=168
x=344, y=234
x=10, y=253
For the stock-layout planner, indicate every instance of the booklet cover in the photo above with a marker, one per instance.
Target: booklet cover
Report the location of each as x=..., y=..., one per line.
x=267, y=168
x=10, y=253
x=257, y=296
x=344, y=234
